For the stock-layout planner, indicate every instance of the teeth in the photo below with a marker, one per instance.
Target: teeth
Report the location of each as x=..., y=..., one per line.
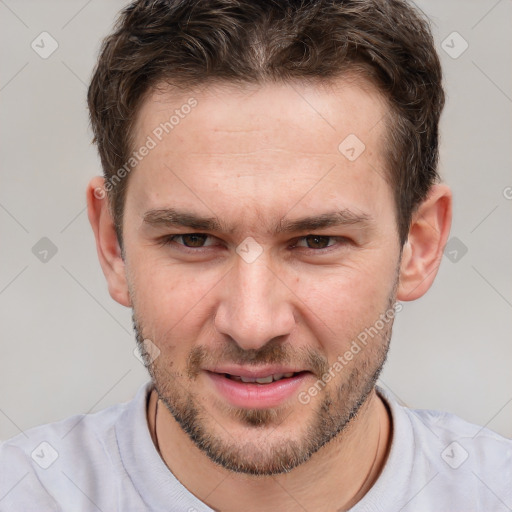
x=262, y=380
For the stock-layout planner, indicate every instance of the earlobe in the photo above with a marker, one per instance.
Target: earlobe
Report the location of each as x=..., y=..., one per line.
x=107, y=244
x=423, y=251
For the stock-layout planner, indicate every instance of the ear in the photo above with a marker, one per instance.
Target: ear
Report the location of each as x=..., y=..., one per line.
x=107, y=245
x=423, y=251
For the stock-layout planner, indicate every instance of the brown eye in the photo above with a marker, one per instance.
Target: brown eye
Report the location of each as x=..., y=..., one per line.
x=317, y=242
x=193, y=239
x=320, y=242
x=190, y=241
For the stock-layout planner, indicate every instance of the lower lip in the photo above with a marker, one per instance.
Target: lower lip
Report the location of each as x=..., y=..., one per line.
x=258, y=396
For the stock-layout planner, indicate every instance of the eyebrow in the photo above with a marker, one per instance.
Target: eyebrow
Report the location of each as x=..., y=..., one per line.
x=171, y=217
x=325, y=220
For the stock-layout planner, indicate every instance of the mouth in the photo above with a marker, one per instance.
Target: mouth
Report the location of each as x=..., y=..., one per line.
x=261, y=389
x=262, y=380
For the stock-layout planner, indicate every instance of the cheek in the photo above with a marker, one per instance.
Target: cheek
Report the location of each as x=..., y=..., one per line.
x=171, y=303
x=340, y=305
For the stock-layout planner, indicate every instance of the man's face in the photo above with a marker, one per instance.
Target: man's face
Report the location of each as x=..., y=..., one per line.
x=253, y=247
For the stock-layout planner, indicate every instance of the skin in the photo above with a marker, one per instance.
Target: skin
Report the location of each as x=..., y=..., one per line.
x=253, y=158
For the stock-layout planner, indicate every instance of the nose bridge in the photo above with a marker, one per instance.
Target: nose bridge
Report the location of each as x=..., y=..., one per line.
x=256, y=306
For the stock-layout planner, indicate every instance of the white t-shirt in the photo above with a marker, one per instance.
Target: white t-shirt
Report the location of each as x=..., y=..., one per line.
x=107, y=462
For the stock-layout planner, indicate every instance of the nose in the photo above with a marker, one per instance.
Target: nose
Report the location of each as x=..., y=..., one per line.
x=255, y=305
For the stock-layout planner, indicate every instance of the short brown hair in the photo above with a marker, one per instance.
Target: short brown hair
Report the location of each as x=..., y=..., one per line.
x=194, y=42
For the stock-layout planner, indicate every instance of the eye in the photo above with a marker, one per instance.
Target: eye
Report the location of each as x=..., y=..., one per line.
x=192, y=240
x=319, y=241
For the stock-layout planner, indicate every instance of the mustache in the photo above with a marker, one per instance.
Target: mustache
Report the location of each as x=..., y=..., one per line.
x=272, y=352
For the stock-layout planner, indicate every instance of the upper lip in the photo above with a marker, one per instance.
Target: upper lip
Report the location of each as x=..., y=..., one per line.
x=255, y=372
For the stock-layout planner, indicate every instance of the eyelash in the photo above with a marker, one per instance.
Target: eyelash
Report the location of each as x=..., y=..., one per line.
x=169, y=240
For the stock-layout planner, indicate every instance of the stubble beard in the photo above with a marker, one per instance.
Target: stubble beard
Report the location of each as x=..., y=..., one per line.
x=334, y=411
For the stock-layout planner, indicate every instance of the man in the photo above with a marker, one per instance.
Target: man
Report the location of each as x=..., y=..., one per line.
x=269, y=197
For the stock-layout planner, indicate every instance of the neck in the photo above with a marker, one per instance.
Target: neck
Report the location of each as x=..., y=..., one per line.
x=336, y=477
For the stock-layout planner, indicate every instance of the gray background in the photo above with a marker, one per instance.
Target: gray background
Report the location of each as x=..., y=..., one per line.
x=67, y=347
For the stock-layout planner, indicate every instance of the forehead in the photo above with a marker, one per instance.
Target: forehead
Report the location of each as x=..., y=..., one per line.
x=334, y=108
x=262, y=143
